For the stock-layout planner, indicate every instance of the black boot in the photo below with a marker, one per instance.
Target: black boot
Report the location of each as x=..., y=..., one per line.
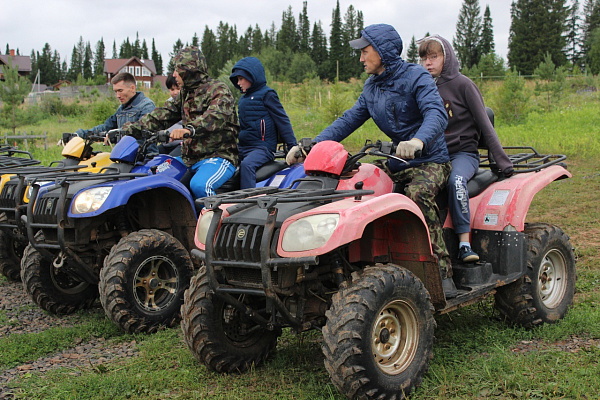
x=449, y=288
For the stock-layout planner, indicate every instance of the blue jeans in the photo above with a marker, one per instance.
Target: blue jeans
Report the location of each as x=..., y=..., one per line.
x=252, y=159
x=209, y=175
x=464, y=167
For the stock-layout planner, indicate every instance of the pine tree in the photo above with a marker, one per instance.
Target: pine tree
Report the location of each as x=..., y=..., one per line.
x=318, y=52
x=257, y=40
x=76, y=66
x=304, y=30
x=468, y=33
x=287, y=37
x=536, y=28
x=176, y=49
x=336, y=48
x=210, y=49
x=157, y=58
x=144, y=50
x=99, y=58
x=574, y=32
x=13, y=90
x=87, y=68
x=591, y=21
x=114, y=51
x=486, y=44
x=412, y=54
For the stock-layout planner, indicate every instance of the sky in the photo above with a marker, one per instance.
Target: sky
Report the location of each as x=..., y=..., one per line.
x=61, y=23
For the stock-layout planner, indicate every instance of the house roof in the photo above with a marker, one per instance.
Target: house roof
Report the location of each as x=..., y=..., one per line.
x=114, y=65
x=23, y=62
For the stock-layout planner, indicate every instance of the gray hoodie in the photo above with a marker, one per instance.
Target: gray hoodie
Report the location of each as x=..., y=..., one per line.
x=467, y=118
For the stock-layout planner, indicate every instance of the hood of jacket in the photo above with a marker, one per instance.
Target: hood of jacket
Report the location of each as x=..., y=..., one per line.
x=252, y=69
x=191, y=65
x=388, y=44
x=451, y=68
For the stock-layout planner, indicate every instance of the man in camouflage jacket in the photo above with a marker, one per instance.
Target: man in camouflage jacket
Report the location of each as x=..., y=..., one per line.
x=206, y=109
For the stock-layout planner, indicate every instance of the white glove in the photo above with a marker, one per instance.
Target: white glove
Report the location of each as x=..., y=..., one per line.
x=407, y=150
x=295, y=155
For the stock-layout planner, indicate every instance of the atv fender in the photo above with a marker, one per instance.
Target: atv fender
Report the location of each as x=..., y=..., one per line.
x=507, y=202
x=122, y=191
x=394, y=216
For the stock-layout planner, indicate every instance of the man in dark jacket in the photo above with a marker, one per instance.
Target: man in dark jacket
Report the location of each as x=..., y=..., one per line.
x=403, y=100
x=133, y=106
x=206, y=109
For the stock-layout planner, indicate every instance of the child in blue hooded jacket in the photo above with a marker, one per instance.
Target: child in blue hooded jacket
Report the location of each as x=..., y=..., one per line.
x=262, y=119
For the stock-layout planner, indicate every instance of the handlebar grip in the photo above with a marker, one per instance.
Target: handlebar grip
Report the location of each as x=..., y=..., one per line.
x=418, y=154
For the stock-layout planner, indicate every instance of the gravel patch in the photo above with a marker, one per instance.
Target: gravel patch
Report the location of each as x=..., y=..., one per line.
x=19, y=315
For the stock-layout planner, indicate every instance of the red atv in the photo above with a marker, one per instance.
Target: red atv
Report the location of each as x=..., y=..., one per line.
x=345, y=254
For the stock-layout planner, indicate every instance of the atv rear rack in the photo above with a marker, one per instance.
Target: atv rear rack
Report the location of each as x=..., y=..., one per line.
x=524, y=159
x=8, y=159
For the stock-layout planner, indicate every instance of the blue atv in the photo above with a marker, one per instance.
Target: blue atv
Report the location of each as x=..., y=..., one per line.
x=122, y=235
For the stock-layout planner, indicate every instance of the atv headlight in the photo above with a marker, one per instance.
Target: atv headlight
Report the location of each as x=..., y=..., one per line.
x=30, y=189
x=203, y=226
x=90, y=199
x=309, y=232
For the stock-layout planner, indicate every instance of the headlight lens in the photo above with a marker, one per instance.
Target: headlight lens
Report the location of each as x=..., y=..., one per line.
x=30, y=188
x=309, y=232
x=203, y=226
x=90, y=200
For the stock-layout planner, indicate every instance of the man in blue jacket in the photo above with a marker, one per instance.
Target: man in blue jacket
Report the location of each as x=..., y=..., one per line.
x=403, y=100
x=133, y=106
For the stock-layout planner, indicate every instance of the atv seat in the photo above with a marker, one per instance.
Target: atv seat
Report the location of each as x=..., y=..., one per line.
x=266, y=171
x=480, y=181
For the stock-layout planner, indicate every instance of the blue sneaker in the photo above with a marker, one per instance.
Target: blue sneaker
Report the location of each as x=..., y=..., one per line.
x=467, y=255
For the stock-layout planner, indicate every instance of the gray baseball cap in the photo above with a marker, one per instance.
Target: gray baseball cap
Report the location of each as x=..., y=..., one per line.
x=359, y=43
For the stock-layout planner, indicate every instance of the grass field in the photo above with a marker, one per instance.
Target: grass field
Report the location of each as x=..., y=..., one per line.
x=477, y=355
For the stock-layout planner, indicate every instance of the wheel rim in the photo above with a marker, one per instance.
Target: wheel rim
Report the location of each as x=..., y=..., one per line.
x=156, y=283
x=65, y=282
x=552, y=279
x=395, y=337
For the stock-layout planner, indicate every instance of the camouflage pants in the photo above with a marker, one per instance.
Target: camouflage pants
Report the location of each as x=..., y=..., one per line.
x=422, y=184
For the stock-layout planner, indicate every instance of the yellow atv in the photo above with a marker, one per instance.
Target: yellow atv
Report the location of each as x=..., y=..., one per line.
x=78, y=154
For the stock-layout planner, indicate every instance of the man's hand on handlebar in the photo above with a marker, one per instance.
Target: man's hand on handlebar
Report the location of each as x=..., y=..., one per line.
x=181, y=133
x=408, y=150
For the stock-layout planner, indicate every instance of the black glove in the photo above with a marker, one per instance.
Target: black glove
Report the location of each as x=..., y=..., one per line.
x=67, y=136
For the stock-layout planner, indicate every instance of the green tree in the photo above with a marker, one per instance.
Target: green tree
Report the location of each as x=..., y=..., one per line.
x=318, y=51
x=486, y=43
x=99, y=57
x=573, y=35
x=157, y=58
x=287, y=37
x=551, y=80
x=13, y=91
x=144, y=51
x=468, y=34
x=87, y=68
x=257, y=40
x=76, y=66
x=412, y=54
x=336, y=47
x=176, y=49
x=594, y=53
x=210, y=49
x=304, y=30
x=45, y=64
x=512, y=102
x=301, y=68
x=591, y=21
x=537, y=28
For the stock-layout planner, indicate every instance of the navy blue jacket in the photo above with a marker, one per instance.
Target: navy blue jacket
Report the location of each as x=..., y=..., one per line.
x=263, y=120
x=403, y=101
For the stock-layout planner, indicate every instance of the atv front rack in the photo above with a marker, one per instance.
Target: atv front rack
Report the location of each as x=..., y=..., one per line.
x=524, y=159
x=9, y=158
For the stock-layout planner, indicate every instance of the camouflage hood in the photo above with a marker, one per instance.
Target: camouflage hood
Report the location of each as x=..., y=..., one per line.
x=191, y=65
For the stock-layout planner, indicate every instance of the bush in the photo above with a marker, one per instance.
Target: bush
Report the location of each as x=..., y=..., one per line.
x=55, y=106
x=101, y=110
